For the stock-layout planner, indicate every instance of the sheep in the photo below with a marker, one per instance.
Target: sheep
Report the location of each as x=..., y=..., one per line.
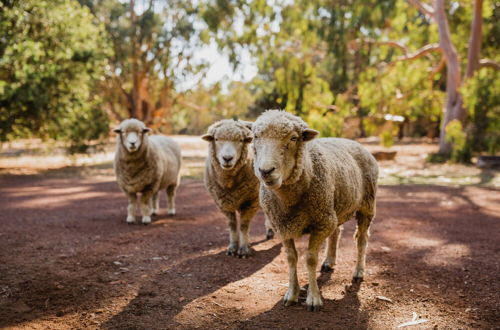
x=312, y=187
x=146, y=164
x=230, y=180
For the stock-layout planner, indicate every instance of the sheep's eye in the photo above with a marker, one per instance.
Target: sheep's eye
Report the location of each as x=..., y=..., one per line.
x=294, y=138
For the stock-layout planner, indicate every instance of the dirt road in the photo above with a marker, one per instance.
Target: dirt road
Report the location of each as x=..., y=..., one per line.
x=68, y=260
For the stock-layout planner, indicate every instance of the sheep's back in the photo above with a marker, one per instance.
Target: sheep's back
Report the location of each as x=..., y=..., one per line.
x=354, y=172
x=169, y=154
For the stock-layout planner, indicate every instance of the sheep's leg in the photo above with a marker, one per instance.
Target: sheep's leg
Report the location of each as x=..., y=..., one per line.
x=132, y=204
x=146, y=207
x=361, y=236
x=292, y=295
x=232, y=249
x=171, y=199
x=156, y=204
x=331, y=250
x=313, y=300
x=269, y=228
x=245, y=216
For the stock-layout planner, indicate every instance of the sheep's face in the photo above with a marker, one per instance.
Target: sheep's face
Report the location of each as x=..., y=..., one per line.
x=228, y=142
x=276, y=156
x=132, y=132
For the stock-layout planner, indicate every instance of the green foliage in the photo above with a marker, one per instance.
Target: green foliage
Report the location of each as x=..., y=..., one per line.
x=153, y=44
x=189, y=118
x=387, y=139
x=51, y=55
x=456, y=136
x=481, y=96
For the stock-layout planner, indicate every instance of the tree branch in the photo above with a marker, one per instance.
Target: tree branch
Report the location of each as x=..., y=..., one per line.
x=487, y=63
x=420, y=52
x=353, y=44
x=422, y=7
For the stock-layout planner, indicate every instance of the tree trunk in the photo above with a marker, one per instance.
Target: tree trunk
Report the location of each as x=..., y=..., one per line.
x=136, y=103
x=476, y=34
x=453, y=106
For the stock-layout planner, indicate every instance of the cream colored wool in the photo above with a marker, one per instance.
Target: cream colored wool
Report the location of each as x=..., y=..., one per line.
x=321, y=185
x=235, y=190
x=154, y=166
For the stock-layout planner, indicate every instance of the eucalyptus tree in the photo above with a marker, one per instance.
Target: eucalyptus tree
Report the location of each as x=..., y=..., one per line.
x=153, y=42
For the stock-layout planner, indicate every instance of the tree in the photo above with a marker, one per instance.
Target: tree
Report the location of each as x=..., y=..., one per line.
x=454, y=110
x=153, y=44
x=51, y=55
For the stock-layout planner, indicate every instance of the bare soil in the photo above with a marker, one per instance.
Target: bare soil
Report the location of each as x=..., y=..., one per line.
x=68, y=260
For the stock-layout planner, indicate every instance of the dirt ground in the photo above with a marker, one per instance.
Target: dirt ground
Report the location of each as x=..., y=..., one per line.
x=69, y=261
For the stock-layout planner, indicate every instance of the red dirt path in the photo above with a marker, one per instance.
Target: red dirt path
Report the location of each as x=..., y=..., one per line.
x=68, y=260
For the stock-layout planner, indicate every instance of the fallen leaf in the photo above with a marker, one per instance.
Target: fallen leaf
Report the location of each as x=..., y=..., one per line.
x=384, y=299
x=407, y=324
x=413, y=321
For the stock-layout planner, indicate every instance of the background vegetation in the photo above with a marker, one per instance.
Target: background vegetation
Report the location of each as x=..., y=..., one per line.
x=70, y=69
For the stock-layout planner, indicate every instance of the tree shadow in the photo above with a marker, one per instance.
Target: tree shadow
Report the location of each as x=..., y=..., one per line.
x=164, y=296
x=57, y=257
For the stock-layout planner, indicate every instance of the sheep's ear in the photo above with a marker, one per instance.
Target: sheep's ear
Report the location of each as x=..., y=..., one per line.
x=248, y=139
x=247, y=124
x=117, y=130
x=308, y=134
x=146, y=130
x=207, y=137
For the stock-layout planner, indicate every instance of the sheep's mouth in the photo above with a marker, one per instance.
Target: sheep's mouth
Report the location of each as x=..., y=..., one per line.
x=272, y=183
x=227, y=166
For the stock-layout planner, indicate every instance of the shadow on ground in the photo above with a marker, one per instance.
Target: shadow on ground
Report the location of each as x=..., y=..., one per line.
x=68, y=260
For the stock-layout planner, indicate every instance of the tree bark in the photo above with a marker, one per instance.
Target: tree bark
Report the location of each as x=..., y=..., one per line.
x=136, y=100
x=476, y=34
x=453, y=105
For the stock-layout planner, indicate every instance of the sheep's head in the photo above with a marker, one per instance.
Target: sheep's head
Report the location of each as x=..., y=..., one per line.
x=228, y=142
x=132, y=133
x=279, y=139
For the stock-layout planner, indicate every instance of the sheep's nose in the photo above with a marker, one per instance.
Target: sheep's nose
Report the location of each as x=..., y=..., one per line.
x=265, y=173
x=132, y=144
x=227, y=159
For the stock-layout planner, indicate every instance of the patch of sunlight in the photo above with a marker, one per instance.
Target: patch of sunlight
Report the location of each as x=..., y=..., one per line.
x=437, y=250
x=56, y=201
x=243, y=299
x=454, y=255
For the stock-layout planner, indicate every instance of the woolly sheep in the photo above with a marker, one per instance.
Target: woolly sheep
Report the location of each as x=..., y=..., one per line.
x=146, y=164
x=312, y=187
x=230, y=180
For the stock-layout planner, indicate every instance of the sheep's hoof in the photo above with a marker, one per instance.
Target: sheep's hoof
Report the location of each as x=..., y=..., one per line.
x=357, y=277
x=291, y=297
x=171, y=212
x=155, y=212
x=232, y=250
x=314, y=304
x=130, y=220
x=244, y=252
x=326, y=268
x=313, y=308
x=146, y=220
x=269, y=234
x=288, y=303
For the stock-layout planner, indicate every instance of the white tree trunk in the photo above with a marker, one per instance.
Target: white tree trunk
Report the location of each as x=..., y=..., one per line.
x=453, y=106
